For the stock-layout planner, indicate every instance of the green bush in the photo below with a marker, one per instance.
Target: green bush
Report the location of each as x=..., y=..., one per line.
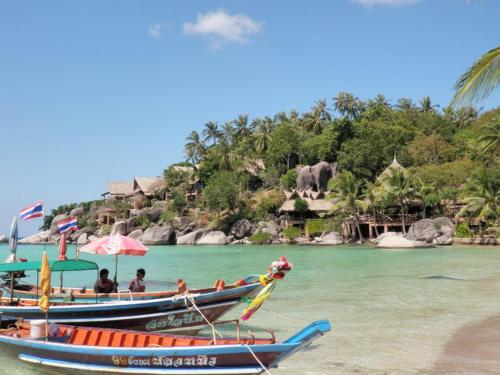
x=289, y=179
x=143, y=221
x=463, y=231
x=270, y=204
x=261, y=238
x=106, y=230
x=168, y=216
x=315, y=227
x=300, y=205
x=291, y=233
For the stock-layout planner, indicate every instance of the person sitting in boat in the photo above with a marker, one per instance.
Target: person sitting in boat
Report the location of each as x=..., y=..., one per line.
x=137, y=285
x=104, y=285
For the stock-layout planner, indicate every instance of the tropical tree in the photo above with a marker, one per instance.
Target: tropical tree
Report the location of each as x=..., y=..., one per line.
x=262, y=134
x=427, y=195
x=405, y=104
x=373, y=197
x=194, y=148
x=347, y=197
x=222, y=191
x=315, y=120
x=398, y=187
x=482, y=196
x=465, y=116
x=211, y=132
x=347, y=104
x=426, y=105
x=479, y=81
x=489, y=140
x=241, y=126
x=228, y=132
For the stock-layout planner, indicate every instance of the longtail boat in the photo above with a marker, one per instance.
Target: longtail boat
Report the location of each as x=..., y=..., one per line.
x=129, y=352
x=186, y=309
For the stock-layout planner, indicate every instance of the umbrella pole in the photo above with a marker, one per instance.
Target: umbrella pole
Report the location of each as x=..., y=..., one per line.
x=61, y=281
x=116, y=270
x=11, y=287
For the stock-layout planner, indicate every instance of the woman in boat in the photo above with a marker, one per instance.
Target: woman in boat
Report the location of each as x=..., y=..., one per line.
x=137, y=285
x=104, y=285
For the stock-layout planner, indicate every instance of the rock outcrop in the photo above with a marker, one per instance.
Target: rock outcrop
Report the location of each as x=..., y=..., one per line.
x=136, y=234
x=53, y=225
x=329, y=238
x=395, y=240
x=40, y=237
x=212, y=238
x=3, y=238
x=192, y=237
x=120, y=227
x=439, y=231
x=83, y=239
x=78, y=211
x=241, y=229
x=162, y=234
x=316, y=177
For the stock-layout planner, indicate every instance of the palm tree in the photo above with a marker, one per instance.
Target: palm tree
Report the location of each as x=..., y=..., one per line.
x=398, y=186
x=211, y=132
x=241, y=126
x=262, y=135
x=373, y=197
x=426, y=105
x=465, y=116
x=347, y=104
x=483, y=196
x=228, y=132
x=315, y=120
x=379, y=100
x=479, y=81
x=194, y=148
x=347, y=194
x=426, y=193
x=489, y=140
x=405, y=104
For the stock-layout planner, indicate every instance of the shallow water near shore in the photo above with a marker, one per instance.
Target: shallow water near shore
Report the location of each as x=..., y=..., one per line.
x=392, y=311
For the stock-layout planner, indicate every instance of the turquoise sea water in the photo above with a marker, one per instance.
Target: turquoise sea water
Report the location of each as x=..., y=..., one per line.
x=391, y=310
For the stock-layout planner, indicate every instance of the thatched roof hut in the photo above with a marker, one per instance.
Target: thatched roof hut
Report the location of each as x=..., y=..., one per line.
x=120, y=189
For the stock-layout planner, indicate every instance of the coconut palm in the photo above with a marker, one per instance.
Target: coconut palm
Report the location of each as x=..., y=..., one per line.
x=426, y=105
x=398, y=187
x=426, y=193
x=241, y=126
x=194, y=148
x=482, y=196
x=379, y=100
x=489, y=140
x=211, y=132
x=347, y=104
x=479, y=81
x=315, y=120
x=405, y=104
x=262, y=134
x=373, y=197
x=465, y=116
x=228, y=132
x=347, y=194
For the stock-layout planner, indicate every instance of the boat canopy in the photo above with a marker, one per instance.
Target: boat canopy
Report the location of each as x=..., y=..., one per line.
x=56, y=266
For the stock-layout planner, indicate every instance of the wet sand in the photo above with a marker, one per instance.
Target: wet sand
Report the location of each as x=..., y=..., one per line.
x=473, y=349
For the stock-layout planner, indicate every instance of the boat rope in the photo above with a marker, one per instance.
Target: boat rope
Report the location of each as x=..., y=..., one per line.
x=214, y=330
x=258, y=360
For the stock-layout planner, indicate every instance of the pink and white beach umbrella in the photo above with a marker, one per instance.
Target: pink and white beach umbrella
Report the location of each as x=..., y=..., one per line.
x=115, y=245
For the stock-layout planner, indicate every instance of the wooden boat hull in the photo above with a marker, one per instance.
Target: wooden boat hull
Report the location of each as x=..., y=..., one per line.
x=202, y=359
x=150, y=315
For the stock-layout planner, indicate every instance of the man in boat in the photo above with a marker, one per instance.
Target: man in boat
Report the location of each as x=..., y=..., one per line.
x=137, y=285
x=104, y=285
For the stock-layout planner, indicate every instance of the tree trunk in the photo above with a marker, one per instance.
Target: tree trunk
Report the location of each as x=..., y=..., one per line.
x=403, y=219
x=356, y=223
x=374, y=212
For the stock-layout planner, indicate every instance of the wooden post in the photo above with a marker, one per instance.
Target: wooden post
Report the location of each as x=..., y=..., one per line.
x=386, y=228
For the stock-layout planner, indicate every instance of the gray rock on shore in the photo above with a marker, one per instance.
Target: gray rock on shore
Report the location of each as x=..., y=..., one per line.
x=37, y=238
x=241, y=229
x=136, y=234
x=212, y=238
x=120, y=227
x=439, y=231
x=162, y=234
x=329, y=238
x=3, y=238
x=192, y=237
x=395, y=240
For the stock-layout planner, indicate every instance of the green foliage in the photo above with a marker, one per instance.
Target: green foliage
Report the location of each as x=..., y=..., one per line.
x=177, y=202
x=447, y=175
x=270, y=204
x=300, y=205
x=143, y=221
x=431, y=149
x=168, y=216
x=178, y=175
x=105, y=230
x=289, y=179
x=463, y=231
x=291, y=233
x=222, y=191
x=261, y=238
x=285, y=143
x=315, y=227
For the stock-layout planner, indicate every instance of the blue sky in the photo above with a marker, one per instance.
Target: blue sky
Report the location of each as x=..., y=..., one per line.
x=92, y=91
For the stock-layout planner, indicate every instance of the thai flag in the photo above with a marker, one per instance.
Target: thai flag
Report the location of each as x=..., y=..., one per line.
x=32, y=211
x=67, y=224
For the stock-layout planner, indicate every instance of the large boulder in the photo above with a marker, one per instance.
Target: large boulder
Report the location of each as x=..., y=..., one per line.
x=40, y=237
x=82, y=239
x=120, y=227
x=53, y=225
x=439, y=231
x=316, y=177
x=79, y=211
x=329, y=238
x=192, y=237
x=212, y=238
x=395, y=240
x=153, y=214
x=3, y=238
x=241, y=229
x=136, y=234
x=162, y=234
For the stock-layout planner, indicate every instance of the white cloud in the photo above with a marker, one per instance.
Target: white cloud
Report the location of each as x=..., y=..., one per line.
x=156, y=30
x=221, y=28
x=391, y=3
